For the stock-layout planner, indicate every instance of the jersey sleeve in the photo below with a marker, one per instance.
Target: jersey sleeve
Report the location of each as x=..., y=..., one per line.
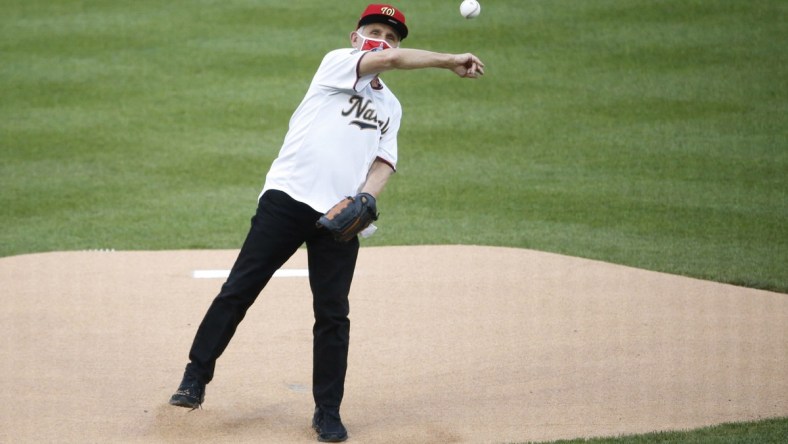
x=387, y=149
x=339, y=70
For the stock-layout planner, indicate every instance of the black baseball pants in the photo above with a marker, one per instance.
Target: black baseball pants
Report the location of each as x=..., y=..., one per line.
x=280, y=226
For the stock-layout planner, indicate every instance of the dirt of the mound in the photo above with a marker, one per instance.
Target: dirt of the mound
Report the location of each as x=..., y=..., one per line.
x=448, y=344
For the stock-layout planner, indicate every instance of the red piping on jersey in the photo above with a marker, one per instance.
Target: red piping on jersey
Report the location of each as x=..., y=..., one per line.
x=358, y=76
x=358, y=67
x=358, y=71
x=387, y=163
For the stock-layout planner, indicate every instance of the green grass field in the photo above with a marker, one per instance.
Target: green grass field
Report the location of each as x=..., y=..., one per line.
x=773, y=431
x=646, y=133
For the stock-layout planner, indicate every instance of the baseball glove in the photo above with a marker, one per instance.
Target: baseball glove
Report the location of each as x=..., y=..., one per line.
x=350, y=216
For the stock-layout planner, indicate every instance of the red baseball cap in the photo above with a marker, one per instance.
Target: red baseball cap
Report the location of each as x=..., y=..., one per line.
x=386, y=14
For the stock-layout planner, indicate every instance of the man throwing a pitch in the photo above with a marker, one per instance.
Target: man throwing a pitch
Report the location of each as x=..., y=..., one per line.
x=338, y=154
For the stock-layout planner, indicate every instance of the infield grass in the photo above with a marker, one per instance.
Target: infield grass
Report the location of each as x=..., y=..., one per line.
x=651, y=134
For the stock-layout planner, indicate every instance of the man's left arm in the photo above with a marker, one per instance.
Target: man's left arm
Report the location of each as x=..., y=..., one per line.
x=352, y=215
x=379, y=174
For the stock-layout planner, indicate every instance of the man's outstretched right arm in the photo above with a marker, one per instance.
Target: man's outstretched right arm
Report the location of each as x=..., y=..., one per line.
x=464, y=65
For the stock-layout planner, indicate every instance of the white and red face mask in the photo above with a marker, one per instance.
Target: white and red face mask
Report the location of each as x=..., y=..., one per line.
x=370, y=44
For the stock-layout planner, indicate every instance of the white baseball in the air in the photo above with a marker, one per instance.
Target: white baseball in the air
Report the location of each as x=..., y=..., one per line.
x=470, y=9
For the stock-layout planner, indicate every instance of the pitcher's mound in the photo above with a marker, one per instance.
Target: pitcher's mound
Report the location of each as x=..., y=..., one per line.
x=448, y=344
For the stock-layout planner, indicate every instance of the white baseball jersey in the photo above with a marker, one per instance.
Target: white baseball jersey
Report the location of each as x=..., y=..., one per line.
x=341, y=126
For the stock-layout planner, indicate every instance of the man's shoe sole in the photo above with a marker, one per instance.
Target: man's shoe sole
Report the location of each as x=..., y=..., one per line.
x=183, y=401
x=332, y=438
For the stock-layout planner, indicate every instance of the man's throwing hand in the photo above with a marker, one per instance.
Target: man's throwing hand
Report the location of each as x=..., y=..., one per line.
x=468, y=66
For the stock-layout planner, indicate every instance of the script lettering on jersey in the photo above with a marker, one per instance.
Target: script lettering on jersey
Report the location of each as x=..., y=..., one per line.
x=365, y=115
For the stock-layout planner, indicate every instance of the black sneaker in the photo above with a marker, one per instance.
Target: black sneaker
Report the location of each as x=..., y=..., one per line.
x=328, y=426
x=191, y=393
